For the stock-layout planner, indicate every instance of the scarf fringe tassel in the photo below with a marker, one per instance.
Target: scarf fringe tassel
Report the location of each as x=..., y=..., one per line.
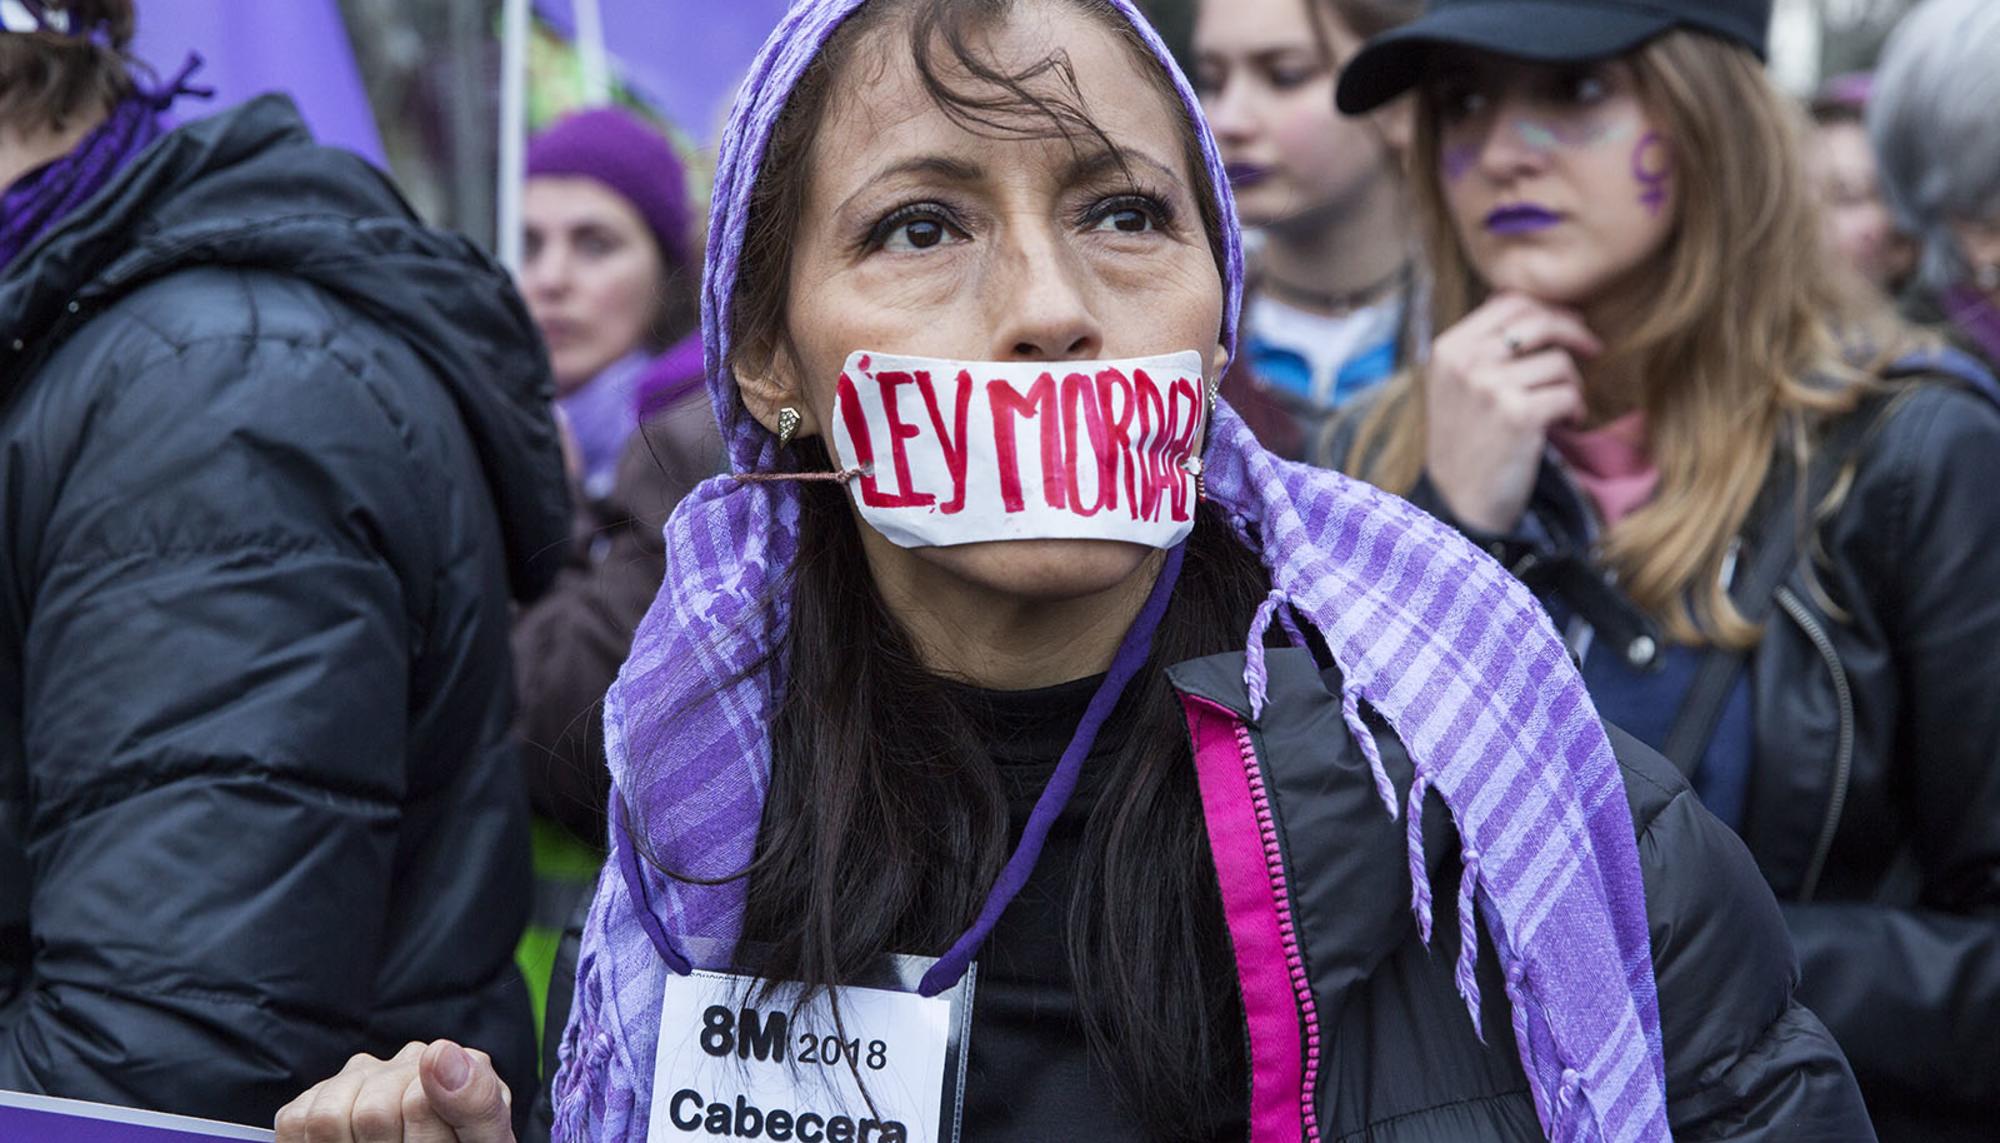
x=1277, y=607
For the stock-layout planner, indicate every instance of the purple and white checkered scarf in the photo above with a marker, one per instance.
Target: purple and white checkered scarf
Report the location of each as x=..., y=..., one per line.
x=1435, y=637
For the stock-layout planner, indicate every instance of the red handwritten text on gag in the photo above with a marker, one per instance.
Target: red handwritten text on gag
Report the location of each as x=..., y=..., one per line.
x=1127, y=433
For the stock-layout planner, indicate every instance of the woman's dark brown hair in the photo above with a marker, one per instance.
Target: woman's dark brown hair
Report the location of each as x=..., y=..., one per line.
x=1370, y=18
x=677, y=311
x=48, y=79
x=886, y=822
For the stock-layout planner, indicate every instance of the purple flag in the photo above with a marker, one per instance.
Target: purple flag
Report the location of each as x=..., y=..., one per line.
x=299, y=47
x=683, y=57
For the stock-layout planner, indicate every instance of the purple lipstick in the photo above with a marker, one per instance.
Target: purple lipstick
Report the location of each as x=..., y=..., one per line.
x=1521, y=218
x=1245, y=175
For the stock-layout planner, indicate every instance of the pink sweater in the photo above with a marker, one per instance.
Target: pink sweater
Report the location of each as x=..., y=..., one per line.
x=1611, y=464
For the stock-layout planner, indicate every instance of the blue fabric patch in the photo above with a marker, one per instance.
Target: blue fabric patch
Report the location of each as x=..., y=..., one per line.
x=1643, y=701
x=1280, y=368
x=1287, y=371
x=1954, y=363
x=1364, y=372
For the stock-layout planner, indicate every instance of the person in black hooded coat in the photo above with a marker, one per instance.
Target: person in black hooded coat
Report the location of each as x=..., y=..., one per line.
x=273, y=456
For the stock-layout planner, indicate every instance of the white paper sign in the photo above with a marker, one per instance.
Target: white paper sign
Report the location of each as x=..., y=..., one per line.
x=959, y=452
x=736, y=1064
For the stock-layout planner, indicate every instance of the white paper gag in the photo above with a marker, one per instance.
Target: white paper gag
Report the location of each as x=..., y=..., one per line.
x=960, y=452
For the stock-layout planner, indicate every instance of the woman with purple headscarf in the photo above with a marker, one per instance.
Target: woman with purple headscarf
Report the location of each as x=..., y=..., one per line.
x=1017, y=750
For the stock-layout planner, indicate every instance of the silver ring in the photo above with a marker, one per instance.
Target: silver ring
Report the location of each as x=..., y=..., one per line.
x=1512, y=343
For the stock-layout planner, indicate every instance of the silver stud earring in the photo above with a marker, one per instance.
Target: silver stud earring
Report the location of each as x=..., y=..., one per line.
x=788, y=425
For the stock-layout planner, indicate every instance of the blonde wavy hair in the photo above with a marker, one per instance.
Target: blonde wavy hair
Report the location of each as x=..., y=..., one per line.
x=1738, y=355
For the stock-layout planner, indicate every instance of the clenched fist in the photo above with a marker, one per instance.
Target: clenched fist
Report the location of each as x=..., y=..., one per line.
x=429, y=1093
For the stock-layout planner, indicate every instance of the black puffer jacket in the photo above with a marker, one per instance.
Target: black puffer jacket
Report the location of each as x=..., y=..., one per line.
x=1744, y=1061
x=1874, y=792
x=271, y=456
x=1398, y=1061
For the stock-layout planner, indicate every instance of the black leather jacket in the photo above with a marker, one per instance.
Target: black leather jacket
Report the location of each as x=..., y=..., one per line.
x=1874, y=801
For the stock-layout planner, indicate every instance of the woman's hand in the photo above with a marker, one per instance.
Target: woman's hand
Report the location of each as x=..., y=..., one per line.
x=1494, y=385
x=435, y=1093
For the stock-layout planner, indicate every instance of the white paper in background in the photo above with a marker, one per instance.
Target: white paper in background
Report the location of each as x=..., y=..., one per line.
x=959, y=452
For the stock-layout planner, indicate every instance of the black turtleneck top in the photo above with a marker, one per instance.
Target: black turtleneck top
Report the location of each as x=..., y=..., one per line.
x=1029, y=1074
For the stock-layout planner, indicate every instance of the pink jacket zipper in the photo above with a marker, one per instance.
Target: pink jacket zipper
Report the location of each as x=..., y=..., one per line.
x=1278, y=1005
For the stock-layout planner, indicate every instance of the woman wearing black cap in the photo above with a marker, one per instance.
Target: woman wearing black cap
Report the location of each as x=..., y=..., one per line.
x=1760, y=541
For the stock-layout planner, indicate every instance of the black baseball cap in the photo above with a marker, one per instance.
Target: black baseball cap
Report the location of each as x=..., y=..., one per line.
x=1544, y=31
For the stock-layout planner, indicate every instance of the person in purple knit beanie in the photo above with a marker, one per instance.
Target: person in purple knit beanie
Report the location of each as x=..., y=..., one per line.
x=606, y=270
x=622, y=151
x=953, y=803
x=608, y=278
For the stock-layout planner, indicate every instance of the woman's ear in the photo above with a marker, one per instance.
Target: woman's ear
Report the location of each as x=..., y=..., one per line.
x=767, y=386
x=1218, y=363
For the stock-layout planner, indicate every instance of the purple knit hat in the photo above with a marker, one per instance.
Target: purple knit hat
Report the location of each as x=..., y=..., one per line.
x=622, y=151
x=1427, y=632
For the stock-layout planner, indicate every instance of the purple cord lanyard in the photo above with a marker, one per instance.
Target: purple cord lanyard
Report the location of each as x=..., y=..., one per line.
x=1132, y=653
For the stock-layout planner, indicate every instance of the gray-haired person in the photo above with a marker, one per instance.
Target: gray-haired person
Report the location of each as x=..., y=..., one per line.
x=1935, y=120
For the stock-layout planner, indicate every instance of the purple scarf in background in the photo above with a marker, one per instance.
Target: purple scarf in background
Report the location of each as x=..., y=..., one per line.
x=673, y=377
x=1977, y=318
x=41, y=199
x=1426, y=630
x=605, y=412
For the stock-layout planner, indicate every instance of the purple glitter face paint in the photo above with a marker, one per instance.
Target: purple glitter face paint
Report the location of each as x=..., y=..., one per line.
x=1544, y=136
x=1457, y=161
x=1521, y=218
x=1653, y=168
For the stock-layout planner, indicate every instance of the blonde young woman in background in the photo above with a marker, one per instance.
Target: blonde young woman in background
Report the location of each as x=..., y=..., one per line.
x=1332, y=289
x=1775, y=565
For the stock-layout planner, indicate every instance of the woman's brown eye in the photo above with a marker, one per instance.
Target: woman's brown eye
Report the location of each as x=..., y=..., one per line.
x=1587, y=89
x=1129, y=214
x=1457, y=104
x=917, y=226
x=917, y=234
x=1285, y=79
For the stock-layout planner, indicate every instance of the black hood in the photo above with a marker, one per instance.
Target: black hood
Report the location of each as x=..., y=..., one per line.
x=249, y=188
